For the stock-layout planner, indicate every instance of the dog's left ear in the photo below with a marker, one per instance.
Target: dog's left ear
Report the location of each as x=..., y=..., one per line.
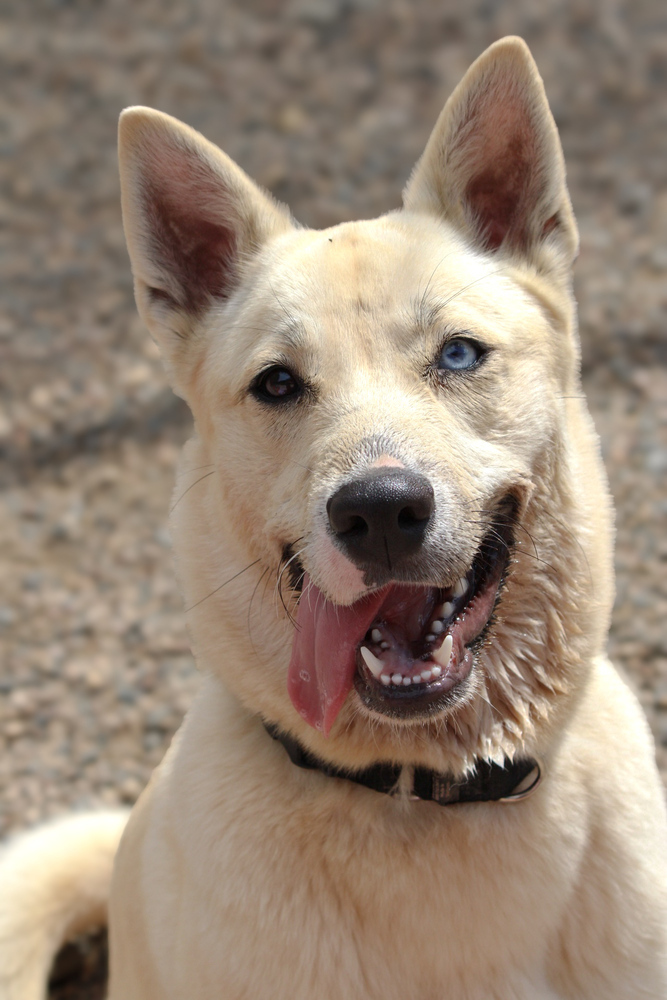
x=493, y=165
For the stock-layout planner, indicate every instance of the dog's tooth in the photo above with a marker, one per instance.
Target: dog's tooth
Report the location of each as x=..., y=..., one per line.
x=417, y=679
x=397, y=678
x=442, y=655
x=384, y=645
x=430, y=637
x=437, y=627
x=460, y=587
x=425, y=675
x=374, y=664
x=376, y=635
x=385, y=678
x=436, y=670
x=407, y=681
x=445, y=610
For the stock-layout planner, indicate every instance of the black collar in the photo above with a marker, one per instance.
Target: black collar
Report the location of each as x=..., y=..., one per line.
x=489, y=783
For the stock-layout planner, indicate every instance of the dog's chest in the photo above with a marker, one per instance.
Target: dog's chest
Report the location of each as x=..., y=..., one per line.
x=363, y=895
x=385, y=919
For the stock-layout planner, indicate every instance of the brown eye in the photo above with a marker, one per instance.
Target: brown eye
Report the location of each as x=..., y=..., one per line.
x=276, y=384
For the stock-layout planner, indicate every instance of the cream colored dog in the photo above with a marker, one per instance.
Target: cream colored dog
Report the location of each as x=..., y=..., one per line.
x=393, y=535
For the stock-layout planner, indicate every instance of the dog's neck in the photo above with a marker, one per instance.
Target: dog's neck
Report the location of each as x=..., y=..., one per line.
x=509, y=782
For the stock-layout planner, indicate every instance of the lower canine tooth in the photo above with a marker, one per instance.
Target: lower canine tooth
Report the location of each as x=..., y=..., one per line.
x=442, y=655
x=373, y=663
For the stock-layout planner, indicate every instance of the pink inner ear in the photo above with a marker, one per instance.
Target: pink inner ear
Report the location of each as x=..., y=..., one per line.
x=192, y=237
x=498, y=147
x=195, y=253
x=496, y=198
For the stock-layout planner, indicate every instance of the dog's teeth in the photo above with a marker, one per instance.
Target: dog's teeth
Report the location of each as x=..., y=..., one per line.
x=376, y=635
x=436, y=671
x=437, y=627
x=425, y=675
x=397, y=678
x=442, y=655
x=417, y=679
x=460, y=587
x=384, y=645
x=407, y=681
x=385, y=678
x=430, y=637
x=446, y=609
x=374, y=664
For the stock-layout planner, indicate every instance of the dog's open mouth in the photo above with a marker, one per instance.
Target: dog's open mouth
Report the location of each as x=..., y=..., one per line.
x=406, y=649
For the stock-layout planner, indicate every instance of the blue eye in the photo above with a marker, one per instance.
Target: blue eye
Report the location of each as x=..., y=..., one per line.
x=459, y=354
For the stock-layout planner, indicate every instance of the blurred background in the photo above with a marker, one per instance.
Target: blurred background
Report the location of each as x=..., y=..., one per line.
x=327, y=103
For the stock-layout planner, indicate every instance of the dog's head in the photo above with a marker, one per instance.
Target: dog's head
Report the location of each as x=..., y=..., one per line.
x=384, y=522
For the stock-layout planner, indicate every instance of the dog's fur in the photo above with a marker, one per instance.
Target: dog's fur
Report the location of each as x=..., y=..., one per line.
x=239, y=875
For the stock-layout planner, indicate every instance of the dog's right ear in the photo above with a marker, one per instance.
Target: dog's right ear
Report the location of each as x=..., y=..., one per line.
x=192, y=221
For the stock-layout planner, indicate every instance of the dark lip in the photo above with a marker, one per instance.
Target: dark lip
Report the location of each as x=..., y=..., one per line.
x=411, y=706
x=293, y=568
x=489, y=570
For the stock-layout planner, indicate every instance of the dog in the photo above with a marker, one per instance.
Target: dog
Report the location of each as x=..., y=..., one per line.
x=411, y=772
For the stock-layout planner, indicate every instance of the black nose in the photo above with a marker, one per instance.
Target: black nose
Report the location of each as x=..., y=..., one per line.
x=382, y=518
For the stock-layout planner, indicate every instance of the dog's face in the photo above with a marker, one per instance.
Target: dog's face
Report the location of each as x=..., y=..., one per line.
x=387, y=433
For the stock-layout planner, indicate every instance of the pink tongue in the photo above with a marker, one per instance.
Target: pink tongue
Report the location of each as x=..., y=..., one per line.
x=323, y=662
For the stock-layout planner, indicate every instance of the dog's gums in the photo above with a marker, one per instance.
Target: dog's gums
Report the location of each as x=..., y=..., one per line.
x=406, y=649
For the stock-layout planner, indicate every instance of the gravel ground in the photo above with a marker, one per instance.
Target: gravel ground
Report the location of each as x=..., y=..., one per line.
x=327, y=103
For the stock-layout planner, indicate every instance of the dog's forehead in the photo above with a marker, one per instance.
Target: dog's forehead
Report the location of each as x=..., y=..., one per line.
x=375, y=281
x=375, y=264
x=392, y=274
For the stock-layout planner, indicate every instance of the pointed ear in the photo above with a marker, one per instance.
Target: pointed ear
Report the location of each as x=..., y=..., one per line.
x=192, y=220
x=493, y=165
